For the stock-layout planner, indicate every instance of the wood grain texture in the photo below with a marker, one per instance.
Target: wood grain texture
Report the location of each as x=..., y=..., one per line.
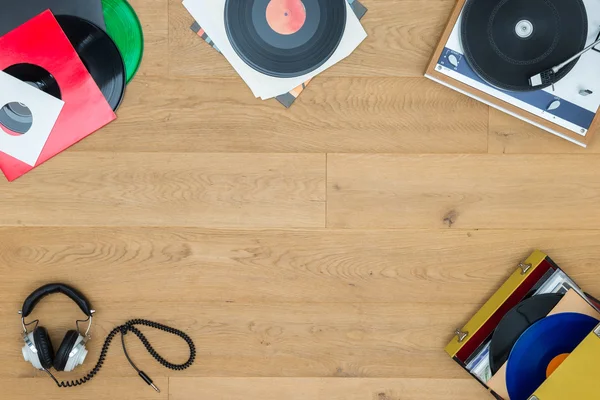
x=262, y=340
x=215, y=115
x=516, y=192
x=283, y=266
x=171, y=189
x=326, y=251
x=509, y=135
x=154, y=17
x=109, y=389
x=324, y=389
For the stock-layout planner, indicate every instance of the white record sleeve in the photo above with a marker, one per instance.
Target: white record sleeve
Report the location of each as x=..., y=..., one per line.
x=210, y=15
x=45, y=110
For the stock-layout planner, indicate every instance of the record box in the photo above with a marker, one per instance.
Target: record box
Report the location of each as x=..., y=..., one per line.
x=536, y=338
x=536, y=60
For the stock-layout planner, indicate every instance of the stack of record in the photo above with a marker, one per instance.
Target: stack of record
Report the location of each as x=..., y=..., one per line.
x=277, y=46
x=101, y=41
x=106, y=34
x=534, y=339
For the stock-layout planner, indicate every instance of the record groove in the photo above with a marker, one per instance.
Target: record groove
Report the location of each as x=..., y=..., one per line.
x=274, y=47
x=99, y=54
x=124, y=27
x=517, y=321
x=538, y=347
x=508, y=41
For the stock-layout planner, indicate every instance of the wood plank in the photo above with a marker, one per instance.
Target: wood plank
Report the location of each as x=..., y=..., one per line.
x=170, y=265
x=161, y=189
x=509, y=135
x=154, y=17
x=389, y=115
x=324, y=389
x=402, y=36
x=266, y=340
x=98, y=389
x=473, y=192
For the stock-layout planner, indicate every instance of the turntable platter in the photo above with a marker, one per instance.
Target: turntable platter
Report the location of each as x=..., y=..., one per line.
x=508, y=41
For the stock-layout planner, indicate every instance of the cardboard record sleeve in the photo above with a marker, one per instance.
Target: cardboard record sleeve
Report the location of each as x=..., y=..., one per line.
x=577, y=376
x=42, y=42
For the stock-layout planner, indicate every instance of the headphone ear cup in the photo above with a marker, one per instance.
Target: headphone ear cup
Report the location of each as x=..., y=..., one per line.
x=43, y=345
x=62, y=355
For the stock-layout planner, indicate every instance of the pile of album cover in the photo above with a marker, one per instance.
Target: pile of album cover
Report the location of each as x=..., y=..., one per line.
x=64, y=67
x=278, y=46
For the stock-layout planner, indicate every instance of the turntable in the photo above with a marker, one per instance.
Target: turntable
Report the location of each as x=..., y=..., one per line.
x=536, y=338
x=536, y=60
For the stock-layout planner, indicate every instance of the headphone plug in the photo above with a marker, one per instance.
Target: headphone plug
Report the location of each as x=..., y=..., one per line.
x=147, y=379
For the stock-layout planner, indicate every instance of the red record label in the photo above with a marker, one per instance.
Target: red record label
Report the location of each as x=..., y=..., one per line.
x=286, y=17
x=41, y=41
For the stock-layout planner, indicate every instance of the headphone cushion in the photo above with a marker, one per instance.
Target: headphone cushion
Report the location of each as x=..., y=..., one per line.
x=43, y=345
x=62, y=355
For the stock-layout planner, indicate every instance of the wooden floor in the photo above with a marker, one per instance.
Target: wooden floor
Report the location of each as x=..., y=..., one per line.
x=323, y=252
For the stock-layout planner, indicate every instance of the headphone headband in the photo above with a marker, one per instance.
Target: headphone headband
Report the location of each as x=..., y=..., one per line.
x=35, y=297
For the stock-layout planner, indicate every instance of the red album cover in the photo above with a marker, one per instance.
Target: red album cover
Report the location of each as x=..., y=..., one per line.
x=41, y=42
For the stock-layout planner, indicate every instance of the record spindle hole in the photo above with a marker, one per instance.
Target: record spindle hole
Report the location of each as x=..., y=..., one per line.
x=286, y=17
x=15, y=118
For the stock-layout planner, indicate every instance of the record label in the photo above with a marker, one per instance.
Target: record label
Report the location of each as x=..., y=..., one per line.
x=542, y=348
x=286, y=17
x=285, y=38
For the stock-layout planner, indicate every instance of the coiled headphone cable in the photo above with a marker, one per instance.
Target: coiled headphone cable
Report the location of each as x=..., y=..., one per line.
x=129, y=326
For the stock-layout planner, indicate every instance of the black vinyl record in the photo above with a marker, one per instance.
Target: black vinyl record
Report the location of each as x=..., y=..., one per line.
x=517, y=321
x=285, y=38
x=508, y=41
x=99, y=54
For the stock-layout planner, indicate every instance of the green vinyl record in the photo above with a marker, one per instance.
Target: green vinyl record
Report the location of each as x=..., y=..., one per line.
x=124, y=27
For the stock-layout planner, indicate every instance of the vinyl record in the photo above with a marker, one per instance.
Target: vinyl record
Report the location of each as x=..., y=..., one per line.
x=508, y=41
x=124, y=27
x=285, y=38
x=548, y=340
x=515, y=322
x=99, y=54
x=15, y=116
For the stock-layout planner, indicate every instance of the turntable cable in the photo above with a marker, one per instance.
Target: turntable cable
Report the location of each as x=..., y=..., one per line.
x=547, y=77
x=129, y=327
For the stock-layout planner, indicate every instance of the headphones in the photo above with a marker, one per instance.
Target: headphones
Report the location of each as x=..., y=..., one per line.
x=38, y=347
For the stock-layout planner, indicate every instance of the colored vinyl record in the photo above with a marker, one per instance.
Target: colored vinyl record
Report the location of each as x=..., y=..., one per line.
x=99, y=54
x=124, y=27
x=285, y=38
x=40, y=54
x=548, y=340
x=517, y=321
x=508, y=41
